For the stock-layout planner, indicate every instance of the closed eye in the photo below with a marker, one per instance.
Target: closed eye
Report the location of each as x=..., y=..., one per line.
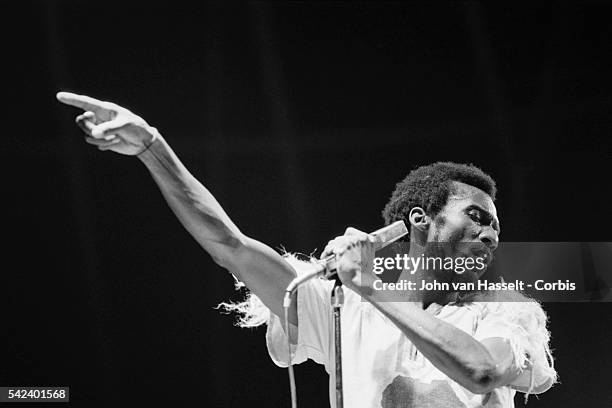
x=475, y=215
x=482, y=217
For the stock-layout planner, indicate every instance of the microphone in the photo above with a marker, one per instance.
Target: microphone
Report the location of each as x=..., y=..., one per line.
x=327, y=267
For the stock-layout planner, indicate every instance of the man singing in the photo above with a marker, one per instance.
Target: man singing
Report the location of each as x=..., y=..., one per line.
x=440, y=349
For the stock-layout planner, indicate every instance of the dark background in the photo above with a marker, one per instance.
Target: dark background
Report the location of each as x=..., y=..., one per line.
x=300, y=118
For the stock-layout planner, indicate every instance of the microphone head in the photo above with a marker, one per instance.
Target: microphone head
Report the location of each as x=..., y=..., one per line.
x=389, y=234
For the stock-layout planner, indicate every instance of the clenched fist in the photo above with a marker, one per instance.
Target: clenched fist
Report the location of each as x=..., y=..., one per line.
x=109, y=126
x=355, y=255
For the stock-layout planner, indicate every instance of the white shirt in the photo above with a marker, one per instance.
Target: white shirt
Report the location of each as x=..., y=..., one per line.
x=382, y=368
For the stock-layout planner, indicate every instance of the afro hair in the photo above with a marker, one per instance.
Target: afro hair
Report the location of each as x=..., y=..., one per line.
x=429, y=187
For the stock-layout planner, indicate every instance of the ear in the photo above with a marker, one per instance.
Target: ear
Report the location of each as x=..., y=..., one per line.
x=419, y=219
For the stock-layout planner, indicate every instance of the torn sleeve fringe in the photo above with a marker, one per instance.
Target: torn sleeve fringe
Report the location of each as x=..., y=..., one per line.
x=251, y=312
x=529, y=339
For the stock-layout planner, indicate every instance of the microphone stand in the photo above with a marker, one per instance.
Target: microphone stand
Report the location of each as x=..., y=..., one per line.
x=337, y=300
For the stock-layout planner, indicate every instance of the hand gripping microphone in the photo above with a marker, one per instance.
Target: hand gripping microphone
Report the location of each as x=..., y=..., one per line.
x=327, y=267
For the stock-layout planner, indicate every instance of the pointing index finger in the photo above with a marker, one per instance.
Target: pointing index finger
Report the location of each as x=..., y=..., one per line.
x=84, y=102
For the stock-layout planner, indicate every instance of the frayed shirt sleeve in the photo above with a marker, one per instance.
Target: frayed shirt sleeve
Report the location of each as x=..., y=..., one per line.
x=314, y=319
x=523, y=325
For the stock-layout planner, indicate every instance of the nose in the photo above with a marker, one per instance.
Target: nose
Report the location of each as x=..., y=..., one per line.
x=488, y=236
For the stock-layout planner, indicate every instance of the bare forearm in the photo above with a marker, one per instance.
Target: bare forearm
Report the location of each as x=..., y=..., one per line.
x=261, y=268
x=195, y=207
x=457, y=354
x=451, y=350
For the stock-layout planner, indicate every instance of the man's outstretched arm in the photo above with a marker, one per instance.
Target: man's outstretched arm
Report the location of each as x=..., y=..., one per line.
x=111, y=127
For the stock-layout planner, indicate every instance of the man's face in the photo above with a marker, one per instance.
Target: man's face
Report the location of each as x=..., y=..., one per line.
x=467, y=226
